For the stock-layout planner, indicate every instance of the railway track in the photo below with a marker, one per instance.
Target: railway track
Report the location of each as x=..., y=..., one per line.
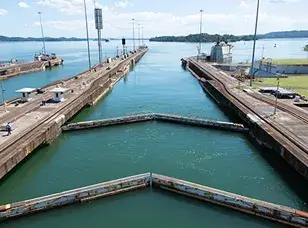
x=285, y=132
x=299, y=114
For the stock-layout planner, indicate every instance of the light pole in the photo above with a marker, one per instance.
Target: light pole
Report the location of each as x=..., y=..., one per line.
x=139, y=34
x=3, y=96
x=200, y=45
x=42, y=31
x=87, y=30
x=254, y=43
x=133, y=34
x=142, y=36
x=277, y=91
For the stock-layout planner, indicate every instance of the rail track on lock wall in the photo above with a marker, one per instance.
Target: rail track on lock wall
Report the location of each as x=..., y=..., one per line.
x=297, y=143
x=15, y=145
x=297, y=113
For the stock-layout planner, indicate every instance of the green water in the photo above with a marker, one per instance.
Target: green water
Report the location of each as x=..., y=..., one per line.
x=215, y=158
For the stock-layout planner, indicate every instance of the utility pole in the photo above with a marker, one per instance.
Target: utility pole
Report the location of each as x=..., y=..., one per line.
x=139, y=34
x=277, y=92
x=200, y=45
x=142, y=36
x=42, y=31
x=3, y=96
x=133, y=34
x=254, y=43
x=87, y=30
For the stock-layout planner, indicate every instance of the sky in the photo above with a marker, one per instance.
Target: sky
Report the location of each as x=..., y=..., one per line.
x=156, y=17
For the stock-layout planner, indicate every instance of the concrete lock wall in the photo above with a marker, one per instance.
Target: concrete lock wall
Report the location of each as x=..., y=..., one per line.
x=258, y=130
x=50, y=126
x=25, y=68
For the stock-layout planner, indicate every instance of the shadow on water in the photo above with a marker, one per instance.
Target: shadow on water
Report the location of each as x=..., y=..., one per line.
x=290, y=176
x=40, y=158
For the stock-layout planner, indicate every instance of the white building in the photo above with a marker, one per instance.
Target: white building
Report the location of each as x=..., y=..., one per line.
x=58, y=94
x=26, y=94
x=281, y=69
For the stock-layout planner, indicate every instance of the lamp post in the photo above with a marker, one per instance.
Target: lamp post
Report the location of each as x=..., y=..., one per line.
x=142, y=36
x=87, y=30
x=133, y=34
x=200, y=44
x=42, y=31
x=139, y=34
x=277, y=91
x=254, y=43
x=3, y=95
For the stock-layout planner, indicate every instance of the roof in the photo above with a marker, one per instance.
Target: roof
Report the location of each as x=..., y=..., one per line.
x=26, y=90
x=280, y=90
x=59, y=90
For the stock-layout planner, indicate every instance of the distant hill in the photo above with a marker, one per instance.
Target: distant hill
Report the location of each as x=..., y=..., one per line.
x=203, y=38
x=189, y=38
x=285, y=34
x=230, y=38
x=24, y=39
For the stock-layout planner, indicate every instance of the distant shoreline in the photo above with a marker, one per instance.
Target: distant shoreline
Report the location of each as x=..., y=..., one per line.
x=50, y=39
x=205, y=37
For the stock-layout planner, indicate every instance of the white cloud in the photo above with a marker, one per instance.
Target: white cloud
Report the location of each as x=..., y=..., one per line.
x=284, y=1
x=3, y=12
x=244, y=4
x=155, y=23
x=23, y=5
x=71, y=6
x=123, y=4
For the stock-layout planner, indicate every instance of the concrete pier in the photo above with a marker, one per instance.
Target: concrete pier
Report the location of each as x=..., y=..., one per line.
x=266, y=210
x=157, y=117
x=35, y=124
x=25, y=68
x=285, y=133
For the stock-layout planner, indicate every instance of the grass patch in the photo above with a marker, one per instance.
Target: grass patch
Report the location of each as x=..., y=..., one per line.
x=287, y=61
x=303, y=92
x=291, y=82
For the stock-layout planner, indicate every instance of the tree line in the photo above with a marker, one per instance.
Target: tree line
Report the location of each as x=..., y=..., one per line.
x=205, y=37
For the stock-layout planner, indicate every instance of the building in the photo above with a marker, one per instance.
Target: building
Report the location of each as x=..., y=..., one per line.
x=268, y=67
x=59, y=94
x=26, y=94
x=221, y=53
